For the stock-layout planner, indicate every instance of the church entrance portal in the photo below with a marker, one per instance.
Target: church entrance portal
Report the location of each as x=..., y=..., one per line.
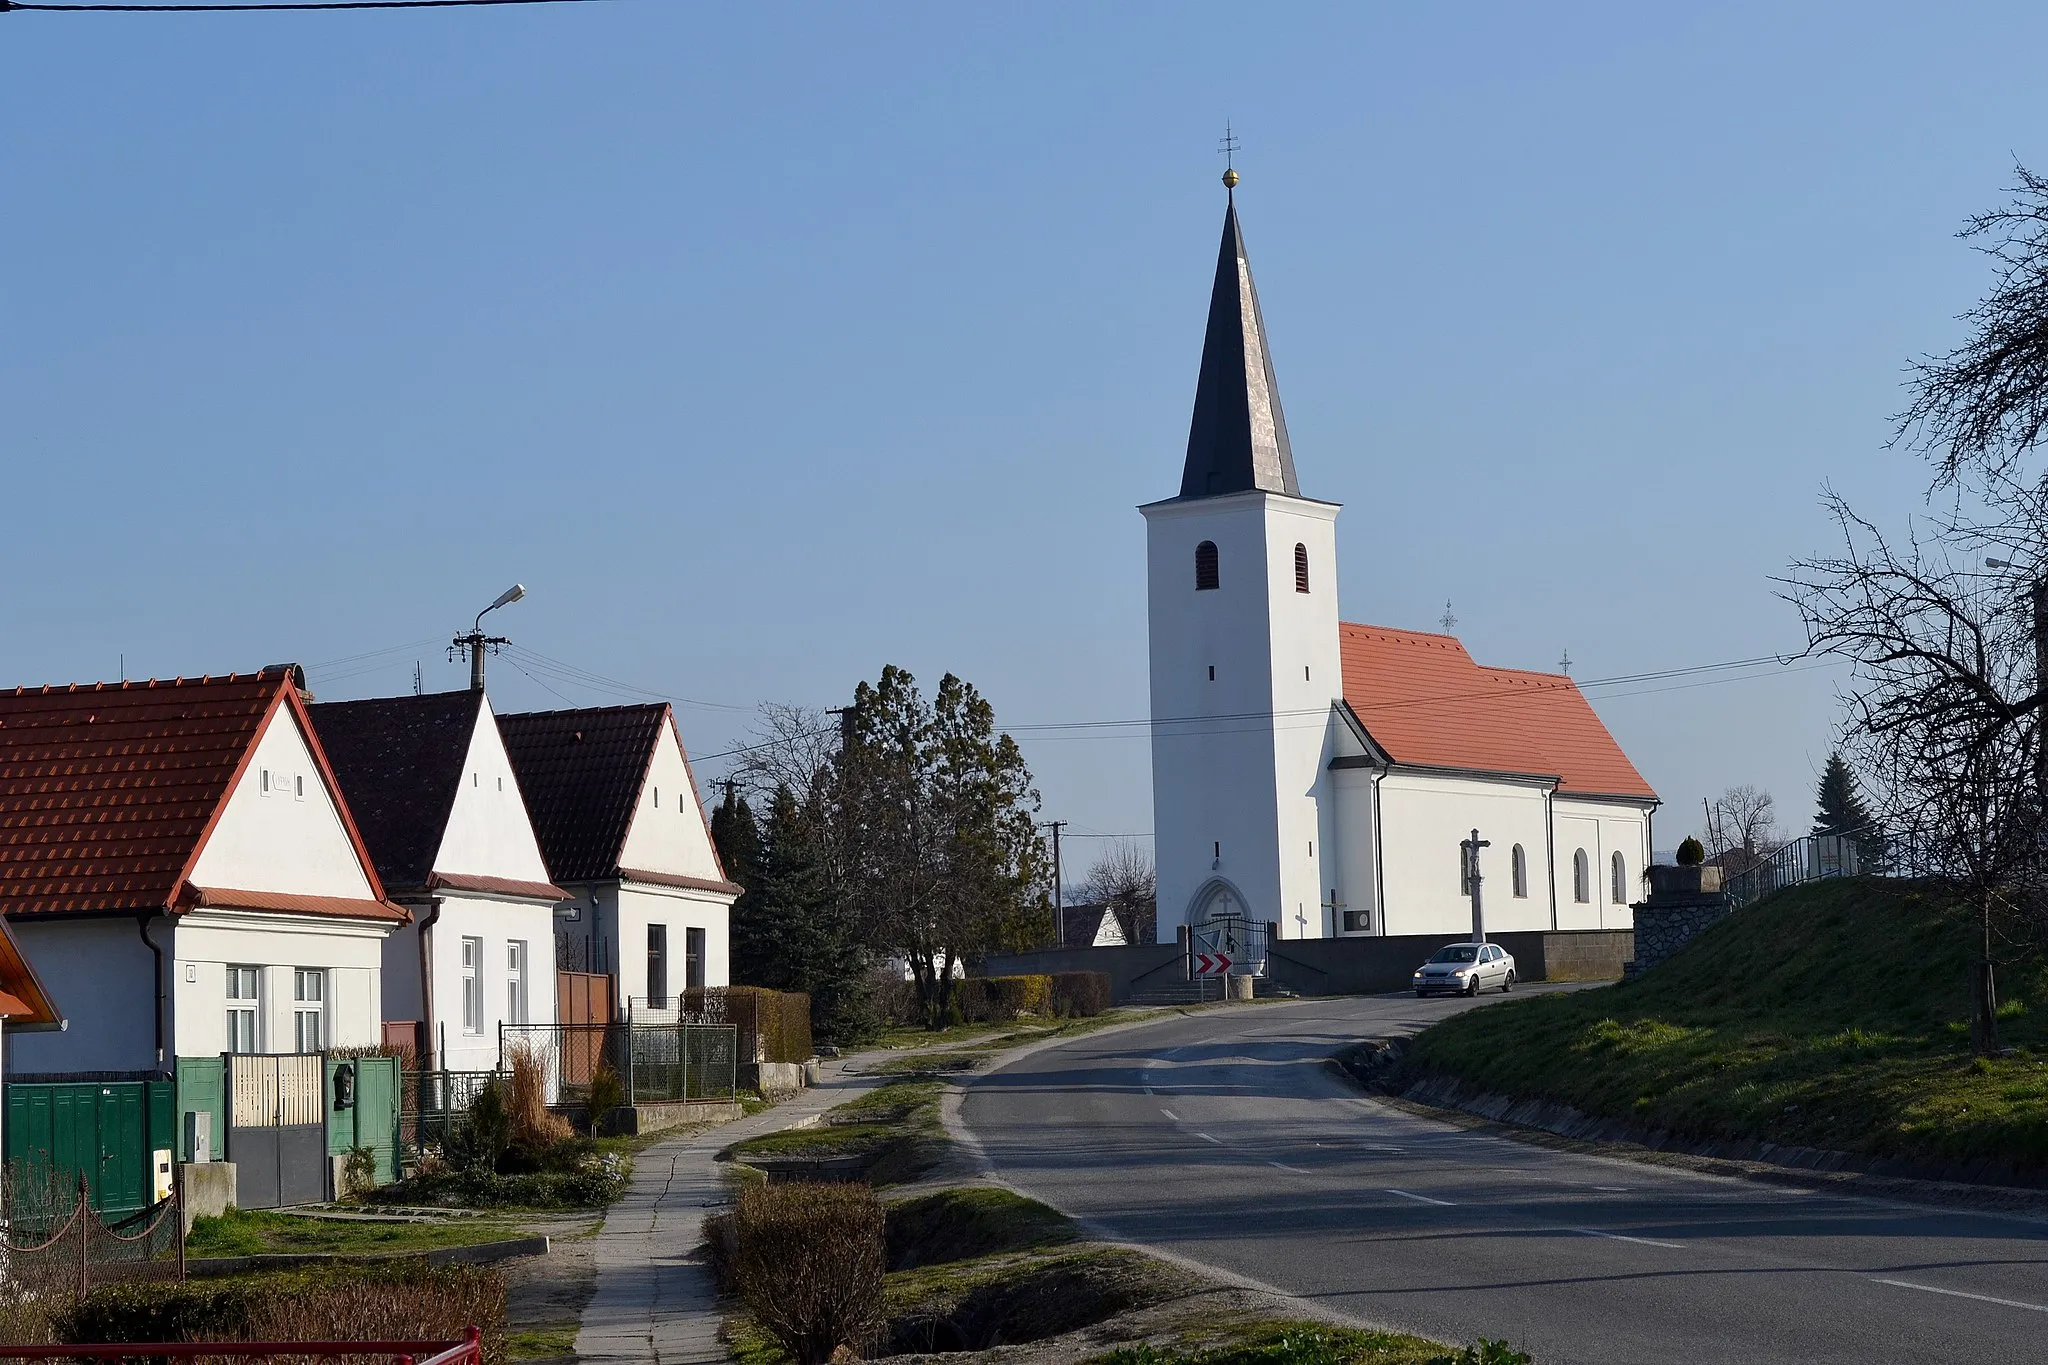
x=1221, y=924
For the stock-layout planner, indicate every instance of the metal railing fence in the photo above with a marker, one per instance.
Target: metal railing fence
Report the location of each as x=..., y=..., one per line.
x=432, y=1103
x=656, y=1062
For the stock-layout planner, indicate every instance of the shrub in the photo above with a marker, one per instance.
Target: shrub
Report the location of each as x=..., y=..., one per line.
x=999, y=999
x=774, y=1026
x=359, y=1174
x=1691, y=853
x=485, y=1131
x=806, y=1259
x=1080, y=995
x=399, y=1300
x=605, y=1093
x=593, y=1184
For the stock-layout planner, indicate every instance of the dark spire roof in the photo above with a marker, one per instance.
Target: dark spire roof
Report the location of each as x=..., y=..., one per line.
x=1238, y=441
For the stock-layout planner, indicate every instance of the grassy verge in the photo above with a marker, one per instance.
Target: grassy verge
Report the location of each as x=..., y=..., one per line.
x=1833, y=1015
x=894, y=1129
x=1024, y=1030
x=255, y=1232
x=1284, y=1342
x=555, y=1341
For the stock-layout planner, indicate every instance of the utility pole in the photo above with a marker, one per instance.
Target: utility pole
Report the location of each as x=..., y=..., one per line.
x=1472, y=880
x=476, y=642
x=1059, y=891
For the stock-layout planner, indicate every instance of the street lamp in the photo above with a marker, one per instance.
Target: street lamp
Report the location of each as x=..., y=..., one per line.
x=476, y=641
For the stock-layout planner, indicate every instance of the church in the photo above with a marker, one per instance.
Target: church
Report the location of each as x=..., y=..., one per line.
x=1324, y=776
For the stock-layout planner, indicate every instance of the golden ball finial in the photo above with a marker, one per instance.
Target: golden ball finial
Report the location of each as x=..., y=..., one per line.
x=1230, y=180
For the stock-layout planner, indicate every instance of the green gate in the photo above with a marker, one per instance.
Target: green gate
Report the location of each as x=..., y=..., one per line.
x=372, y=1121
x=103, y=1131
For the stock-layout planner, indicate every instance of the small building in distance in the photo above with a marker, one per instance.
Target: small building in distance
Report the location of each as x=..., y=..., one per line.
x=439, y=805
x=617, y=813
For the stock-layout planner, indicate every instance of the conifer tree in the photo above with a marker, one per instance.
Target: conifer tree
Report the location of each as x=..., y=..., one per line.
x=801, y=936
x=1843, y=812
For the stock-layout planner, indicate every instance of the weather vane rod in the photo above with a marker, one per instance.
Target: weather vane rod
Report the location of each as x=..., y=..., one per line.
x=1228, y=146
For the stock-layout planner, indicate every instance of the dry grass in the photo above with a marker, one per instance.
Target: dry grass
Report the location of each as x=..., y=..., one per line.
x=526, y=1102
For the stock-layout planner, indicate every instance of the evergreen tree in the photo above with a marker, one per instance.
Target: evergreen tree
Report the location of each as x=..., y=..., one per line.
x=803, y=938
x=1843, y=812
x=737, y=837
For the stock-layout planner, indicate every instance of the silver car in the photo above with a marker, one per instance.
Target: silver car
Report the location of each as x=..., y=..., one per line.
x=1466, y=969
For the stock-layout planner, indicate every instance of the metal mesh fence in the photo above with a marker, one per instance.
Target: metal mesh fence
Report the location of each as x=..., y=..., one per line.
x=56, y=1248
x=431, y=1103
x=657, y=1062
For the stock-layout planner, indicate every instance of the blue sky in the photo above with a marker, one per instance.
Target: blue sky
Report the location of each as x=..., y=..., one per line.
x=770, y=344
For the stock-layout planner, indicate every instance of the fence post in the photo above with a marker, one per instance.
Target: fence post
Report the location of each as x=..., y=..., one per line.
x=178, y=1213
x=84, y=1241
x=630, y=1101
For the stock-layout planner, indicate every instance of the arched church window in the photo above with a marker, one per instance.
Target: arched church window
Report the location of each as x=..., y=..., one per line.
x=1620, y=887
x=1205, y=566
x=1582, y=877
x=1518, y=863
x=1301, y=568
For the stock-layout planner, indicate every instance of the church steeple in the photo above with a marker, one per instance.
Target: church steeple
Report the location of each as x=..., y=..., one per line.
x=1238, y=441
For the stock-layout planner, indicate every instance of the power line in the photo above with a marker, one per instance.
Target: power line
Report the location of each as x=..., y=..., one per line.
x=231, y=6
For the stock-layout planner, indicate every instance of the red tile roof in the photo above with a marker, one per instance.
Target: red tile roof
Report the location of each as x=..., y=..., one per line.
x=108, y=791
x=1425, y=701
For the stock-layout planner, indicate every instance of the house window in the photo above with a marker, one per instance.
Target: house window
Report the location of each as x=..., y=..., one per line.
x=309, y=1008
x=1301, y=568
x=515, y=982
x=242, y=1007
x=693, y=958
x=299, y=786
x=265, y=782
x=1582, y=877
x=1206, y=578
x=657, y=966
x=1619, y=891
x=1519, y=863
x=472, y=985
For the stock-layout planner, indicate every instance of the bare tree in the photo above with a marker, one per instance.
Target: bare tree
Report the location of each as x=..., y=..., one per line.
x=1943, y=713
x=1742, y=822
x=793, y=747
x=1122, y=876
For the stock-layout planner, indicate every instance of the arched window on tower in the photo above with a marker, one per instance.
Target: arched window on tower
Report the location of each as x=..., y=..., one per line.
x=1619, y=890
x=1301, y=568
x=1205, y=566
x=1582, y=877
x=1518, y=864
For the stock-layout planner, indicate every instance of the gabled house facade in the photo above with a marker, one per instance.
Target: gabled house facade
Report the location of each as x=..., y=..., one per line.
x=177, y=859
x=439, y=804
x=617, y=812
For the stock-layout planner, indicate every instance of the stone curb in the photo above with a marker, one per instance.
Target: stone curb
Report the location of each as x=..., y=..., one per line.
x=479, y=1253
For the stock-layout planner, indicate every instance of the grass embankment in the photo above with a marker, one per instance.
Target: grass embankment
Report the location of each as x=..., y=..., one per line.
x=891, y=1134
x=256, y=1232
x=1833, y=1015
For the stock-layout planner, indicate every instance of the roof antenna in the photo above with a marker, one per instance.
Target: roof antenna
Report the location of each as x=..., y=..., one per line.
x=1228, y=147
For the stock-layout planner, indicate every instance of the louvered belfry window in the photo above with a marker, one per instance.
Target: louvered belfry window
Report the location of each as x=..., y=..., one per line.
x=1301, y=568
x=1205, y=566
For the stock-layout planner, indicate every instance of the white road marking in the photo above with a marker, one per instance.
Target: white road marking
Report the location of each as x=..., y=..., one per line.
x=1612, y=1189
x=1639, y=1241
x=1206, y=1138
x=1170, y=1114
x=1959, y=1294
x=1285, y=1167
x=1423, y=1199
x=1148, y=1089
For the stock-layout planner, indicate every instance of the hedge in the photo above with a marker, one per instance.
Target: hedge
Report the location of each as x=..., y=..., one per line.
x=807, y=1261
x=775, y=1026
x=999, y=999
x=1080, y=995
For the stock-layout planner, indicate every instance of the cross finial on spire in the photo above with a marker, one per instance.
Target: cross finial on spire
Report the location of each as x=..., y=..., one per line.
x=1228, y=146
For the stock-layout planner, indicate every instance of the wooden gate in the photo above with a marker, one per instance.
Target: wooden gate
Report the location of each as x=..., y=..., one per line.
x=583, y=998
x=277, y=1128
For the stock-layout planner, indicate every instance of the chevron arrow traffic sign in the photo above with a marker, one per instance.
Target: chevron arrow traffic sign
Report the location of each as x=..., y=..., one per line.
x=1211, y=964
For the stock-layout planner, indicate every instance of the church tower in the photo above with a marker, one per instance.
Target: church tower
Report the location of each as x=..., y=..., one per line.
x=1242, y=609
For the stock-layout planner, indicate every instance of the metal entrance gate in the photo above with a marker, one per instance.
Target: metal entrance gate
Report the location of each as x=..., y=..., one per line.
x=277, y=1129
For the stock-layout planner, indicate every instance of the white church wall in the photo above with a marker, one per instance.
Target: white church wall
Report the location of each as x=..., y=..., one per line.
x=1602, y=828
x=1350, y=869
x=1426, y=817
x=1235, y=801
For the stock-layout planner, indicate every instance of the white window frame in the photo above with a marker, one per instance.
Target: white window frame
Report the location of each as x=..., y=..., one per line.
x=472, y=986
x=244, y=1012
x=1582, y=878
x=516, y=958
x=309, y=1009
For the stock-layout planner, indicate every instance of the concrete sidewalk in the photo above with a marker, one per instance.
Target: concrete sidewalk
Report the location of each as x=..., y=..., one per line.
x=655, y=1303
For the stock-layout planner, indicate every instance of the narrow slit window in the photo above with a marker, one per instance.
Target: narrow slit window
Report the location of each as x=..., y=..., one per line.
x=1519, y=866
x=1206, y=576
x=1619, y=891
x=1582, y=877
x=1301, y=568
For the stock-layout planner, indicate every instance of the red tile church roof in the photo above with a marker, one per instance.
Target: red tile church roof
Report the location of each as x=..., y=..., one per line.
x=1425, y=701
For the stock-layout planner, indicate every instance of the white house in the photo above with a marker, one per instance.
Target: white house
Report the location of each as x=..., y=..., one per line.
x=439, y=805
x=620, y=823
x=178, y=861
x=1320, y=775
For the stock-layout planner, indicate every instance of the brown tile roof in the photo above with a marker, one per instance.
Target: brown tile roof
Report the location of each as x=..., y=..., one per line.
x=580, y=772
x=1425, y=701
x=108, y=791
x=400, y=761
x=287, y=903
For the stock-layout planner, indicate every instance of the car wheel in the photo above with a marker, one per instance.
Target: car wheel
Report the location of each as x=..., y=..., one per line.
x=1509, y=983
x=1472, y=986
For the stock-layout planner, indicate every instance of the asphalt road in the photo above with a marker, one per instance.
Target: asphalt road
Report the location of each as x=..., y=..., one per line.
x=1223, y=1138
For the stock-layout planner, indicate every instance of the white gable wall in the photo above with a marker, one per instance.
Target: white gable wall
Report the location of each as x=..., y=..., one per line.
x=625, y=912
x=489, y=833
x=290, y=838
x=668, y=832
x=496, y=924
x=206, y=942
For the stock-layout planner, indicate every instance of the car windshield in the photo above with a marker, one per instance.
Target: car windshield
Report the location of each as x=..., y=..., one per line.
x=1458, y=952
